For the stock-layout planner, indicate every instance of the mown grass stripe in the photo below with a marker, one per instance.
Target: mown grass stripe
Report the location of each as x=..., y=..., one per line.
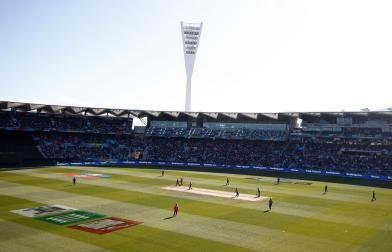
x=346, y=188
x=138, y=238
x=20, y=238
x=244, y=235
x=337, y=192
x=289, y=195
x=322, y=209
x=304, y=226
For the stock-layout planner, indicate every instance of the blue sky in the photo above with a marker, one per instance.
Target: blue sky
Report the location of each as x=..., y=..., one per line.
x=256, y=56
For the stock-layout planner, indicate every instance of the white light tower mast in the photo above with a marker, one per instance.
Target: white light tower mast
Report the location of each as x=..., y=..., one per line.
x=190, y=40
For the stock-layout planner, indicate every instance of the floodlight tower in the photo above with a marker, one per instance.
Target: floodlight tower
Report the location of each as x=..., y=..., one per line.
x=190, y=40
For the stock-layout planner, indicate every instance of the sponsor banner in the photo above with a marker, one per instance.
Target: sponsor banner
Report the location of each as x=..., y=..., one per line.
x=276, y=169
x=332, y=173
x=105, y=225
x=176, y=163
x=70, y=217
x=210, y=165
x=259, y=167
x=192, y=164
x=242, y=166
x=354, y=175
x=295, y=170
x=42, y=210
x=312, y=171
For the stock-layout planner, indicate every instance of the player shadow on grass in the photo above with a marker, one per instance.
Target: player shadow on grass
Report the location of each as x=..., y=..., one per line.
x=167, y=218
x=267, y=211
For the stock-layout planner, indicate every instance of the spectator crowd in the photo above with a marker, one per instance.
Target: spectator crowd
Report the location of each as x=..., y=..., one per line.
x=49, y=122
x=218, y=133
x=342, y=157
x=92, y=138
x=86, y=147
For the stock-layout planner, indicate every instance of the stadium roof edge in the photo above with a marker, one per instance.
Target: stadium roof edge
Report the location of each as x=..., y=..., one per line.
x=76, y=110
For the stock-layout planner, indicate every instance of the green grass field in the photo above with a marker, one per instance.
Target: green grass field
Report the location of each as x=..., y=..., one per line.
x=302, y=217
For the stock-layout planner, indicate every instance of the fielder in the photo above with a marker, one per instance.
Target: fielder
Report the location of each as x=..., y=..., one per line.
x=175, y=209
x=373, y=196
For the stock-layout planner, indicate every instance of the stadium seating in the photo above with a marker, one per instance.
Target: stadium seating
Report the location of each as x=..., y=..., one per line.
x=237, y=133
x=49, y=122
x=85, y=147
x=365, y=159
x=19, y=148
x=92, y=138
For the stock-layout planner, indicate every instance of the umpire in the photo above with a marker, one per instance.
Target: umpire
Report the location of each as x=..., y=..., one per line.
x=270, y=204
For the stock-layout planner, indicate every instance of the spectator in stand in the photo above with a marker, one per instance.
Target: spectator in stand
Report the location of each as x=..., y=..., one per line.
x=96, y=138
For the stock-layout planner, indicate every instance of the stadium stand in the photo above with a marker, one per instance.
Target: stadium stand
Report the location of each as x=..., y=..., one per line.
x=349, y=142
x=18, y=148
x=357, y=158
x=61, y=123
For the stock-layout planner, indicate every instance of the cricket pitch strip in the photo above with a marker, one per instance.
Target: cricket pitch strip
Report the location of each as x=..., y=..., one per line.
x=216, y=193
